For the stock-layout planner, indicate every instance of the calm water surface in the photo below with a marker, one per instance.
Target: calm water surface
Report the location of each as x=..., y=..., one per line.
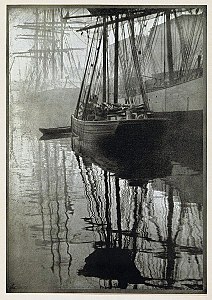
x=75, y=223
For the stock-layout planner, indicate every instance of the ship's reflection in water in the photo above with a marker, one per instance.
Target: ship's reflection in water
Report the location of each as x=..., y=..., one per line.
x=147, y=233
x=91, y=223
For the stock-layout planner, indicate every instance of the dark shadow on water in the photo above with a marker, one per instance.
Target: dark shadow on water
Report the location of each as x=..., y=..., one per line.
x=112, y=263
x=115, y=258
x=136, y=165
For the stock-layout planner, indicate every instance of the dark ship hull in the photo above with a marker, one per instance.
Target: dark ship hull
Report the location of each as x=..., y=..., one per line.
x=121, y=135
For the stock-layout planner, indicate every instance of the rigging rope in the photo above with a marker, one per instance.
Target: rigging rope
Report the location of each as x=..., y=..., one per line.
x=84, y=78
x=136, y=64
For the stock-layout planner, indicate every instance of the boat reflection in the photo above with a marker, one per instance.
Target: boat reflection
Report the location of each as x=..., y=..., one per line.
x=137, y=168
x=147, y=235
x=141, y=227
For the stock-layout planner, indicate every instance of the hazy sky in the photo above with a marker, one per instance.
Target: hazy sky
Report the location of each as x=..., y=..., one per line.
x=26, y=14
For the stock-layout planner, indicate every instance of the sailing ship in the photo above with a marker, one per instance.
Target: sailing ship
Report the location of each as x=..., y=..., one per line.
x=100, y=120
x=54, y=60
x=155, y=64
x=116, y=101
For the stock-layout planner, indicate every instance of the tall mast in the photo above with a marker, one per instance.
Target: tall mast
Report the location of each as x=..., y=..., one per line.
x=61, y=47
x=104, y=57
x=36, y=46
x=169, y=47
x=53, y=47
x=44, y=47
x=116, y=60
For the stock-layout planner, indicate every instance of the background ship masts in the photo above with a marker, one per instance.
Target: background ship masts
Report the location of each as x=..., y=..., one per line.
x=51, y=62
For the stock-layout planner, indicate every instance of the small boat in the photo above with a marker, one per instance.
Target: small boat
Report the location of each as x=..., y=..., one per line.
x=102, y=115
x=55, y=130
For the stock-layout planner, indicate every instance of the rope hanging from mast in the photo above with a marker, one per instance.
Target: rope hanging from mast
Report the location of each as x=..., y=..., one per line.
x=136, y=64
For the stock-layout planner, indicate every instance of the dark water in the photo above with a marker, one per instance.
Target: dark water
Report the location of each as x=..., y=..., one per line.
x=88, y=222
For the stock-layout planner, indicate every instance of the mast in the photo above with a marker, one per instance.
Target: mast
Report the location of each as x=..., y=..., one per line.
x=116, y=60
x=36, y=46
x=169, y=47
x=104, y=58
x=61, y=47
x=44, y=48
x=53, y=48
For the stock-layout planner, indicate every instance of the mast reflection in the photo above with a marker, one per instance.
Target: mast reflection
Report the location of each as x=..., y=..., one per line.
x=141, y=227
x=142, y=224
